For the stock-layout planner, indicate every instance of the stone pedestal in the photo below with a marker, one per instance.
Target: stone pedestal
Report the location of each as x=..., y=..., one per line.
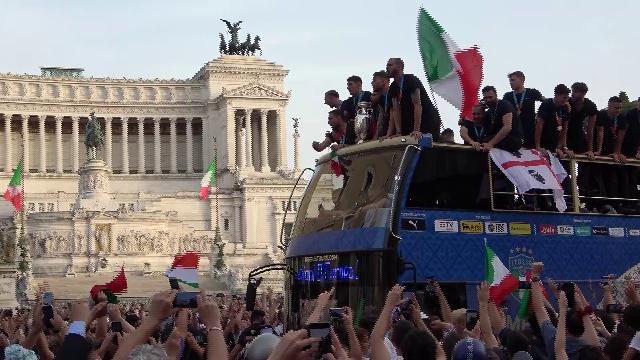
x=94, y=188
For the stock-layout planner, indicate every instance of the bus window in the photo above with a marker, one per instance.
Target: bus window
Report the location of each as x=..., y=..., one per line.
x=353, y=193
x=447, y=178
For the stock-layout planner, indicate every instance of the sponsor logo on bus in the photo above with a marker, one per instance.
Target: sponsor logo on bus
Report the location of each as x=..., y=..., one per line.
x=547, y=229
x=446, y=226
x=473, y=227
x=413, y=224
x=600, y=230
x=583, y=230
x=519, y=229
x=565, y=230
x=617, y=232
x=496, y=228
x=520, y=260
x=634, y=232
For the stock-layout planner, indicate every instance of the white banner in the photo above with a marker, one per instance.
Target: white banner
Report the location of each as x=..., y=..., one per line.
x=528, y=169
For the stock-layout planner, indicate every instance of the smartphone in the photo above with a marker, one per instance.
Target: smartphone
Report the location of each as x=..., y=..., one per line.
x=47, y=312
x=116, y=327
x=430, y=287
x=615, y=309
x=570, y=292
x=524, y=285
x=174, y=284
x=472, y=319
x=336, y=313
x=186, y=300
x=266, y=330
x=320, y=330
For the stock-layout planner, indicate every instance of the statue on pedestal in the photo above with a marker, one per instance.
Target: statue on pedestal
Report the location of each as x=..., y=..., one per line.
x=233, y=46
x=93, y=138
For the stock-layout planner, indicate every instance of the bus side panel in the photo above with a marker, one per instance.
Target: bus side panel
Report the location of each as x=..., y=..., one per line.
x=592, y=247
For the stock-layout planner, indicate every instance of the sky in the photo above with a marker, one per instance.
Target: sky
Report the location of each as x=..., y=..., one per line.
x=324, y=42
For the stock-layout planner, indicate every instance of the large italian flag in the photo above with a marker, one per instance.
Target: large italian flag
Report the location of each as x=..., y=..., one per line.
x=453, y=74
x=501, y=281
x=208, y=180
x=185, y=269
x=13, y=194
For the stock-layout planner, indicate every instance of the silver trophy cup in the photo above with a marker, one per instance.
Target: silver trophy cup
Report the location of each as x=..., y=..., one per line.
x=363, y=120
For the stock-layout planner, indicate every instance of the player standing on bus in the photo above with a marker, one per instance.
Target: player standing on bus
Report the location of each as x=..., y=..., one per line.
x=412, y=112
x=524, y=102
x=551, y=120
x=505, y=130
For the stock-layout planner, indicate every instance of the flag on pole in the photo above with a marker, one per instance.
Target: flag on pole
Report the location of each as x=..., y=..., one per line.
x=208, y=180
x=452, y=73
x=501, y=281
x=528, y=169
x=185, y=269
x=338, y=164
x=116, y=286
x=13, y=194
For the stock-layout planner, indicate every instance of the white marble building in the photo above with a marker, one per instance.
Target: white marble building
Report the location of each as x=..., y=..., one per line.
x=159, y=136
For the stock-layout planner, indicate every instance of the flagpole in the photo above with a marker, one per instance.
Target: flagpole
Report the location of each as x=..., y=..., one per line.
x=217, y=238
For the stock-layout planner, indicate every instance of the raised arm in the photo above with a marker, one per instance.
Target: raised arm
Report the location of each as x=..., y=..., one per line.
x=210, y=316
x=561, y=333
x=321, y=305
x=483, y=311
x=378, y=350
x=590, y=335
x=161, y=305
x=355, y=350
x=445, y=309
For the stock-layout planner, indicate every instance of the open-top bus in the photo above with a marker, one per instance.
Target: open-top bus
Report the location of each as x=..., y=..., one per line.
x=405, y=211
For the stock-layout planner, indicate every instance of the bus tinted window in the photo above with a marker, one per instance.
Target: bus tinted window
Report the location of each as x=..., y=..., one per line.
x=353, y=192
x=447, y=178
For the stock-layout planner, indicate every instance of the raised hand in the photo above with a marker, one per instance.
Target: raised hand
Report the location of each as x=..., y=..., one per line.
x=292, y=346
x=562, y=301
x=80, y=312
x=483, y=293
x=325, y=297
x=161, y=305
x=536, y=269
x=394, y=297
x=347, y=316
x=209, y=312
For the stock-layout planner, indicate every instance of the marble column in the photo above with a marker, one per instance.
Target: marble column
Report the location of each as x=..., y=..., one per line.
x=125, y=145
x=43, y=144
x=7, y=143
x=241, y=149
x=281, y=132
x=264, y=158
x=141, y=169
x=25, y=143
x=296, y=151
x=156, y=146
x=249, y=150
x=59, y=165
x=231, y=138
x=75, y=134
x=174, y=146
x=108, y=139
x=237, y=221
x=189, y=145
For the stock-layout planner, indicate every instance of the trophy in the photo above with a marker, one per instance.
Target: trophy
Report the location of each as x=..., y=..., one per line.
x=363, y=120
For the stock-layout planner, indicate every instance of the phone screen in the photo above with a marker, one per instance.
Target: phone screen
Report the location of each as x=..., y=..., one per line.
x=472, y=319
x=570, y=292
x=47, y=312
x=320, y=330
x=336, y=313
x=47, y=298
x=266, y=330
x=407, y=295
x=186, y=300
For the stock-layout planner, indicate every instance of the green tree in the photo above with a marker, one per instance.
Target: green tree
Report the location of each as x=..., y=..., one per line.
x=626, y=104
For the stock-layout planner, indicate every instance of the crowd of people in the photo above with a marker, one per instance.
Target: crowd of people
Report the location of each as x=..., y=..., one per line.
x=561, y=324
x=565, y=125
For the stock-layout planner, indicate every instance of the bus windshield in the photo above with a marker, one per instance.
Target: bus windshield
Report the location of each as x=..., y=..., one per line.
x=351, y=191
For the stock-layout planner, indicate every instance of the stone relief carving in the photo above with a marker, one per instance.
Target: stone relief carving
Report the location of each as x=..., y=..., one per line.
x=49, y=244
x=255, y=90
x=94, y=182
x=161, y=243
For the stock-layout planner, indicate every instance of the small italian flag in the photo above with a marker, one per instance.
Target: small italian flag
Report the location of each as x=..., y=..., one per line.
x=501, y=281
x=13, y=194
x=185, y=269
x=453, y=74
x=208, y=180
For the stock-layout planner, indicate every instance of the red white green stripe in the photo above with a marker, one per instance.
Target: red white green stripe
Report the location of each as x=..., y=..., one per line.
x=453, y=74
x=208, y=180
x=185, y=269
x=502, y=282
x=13, y=194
